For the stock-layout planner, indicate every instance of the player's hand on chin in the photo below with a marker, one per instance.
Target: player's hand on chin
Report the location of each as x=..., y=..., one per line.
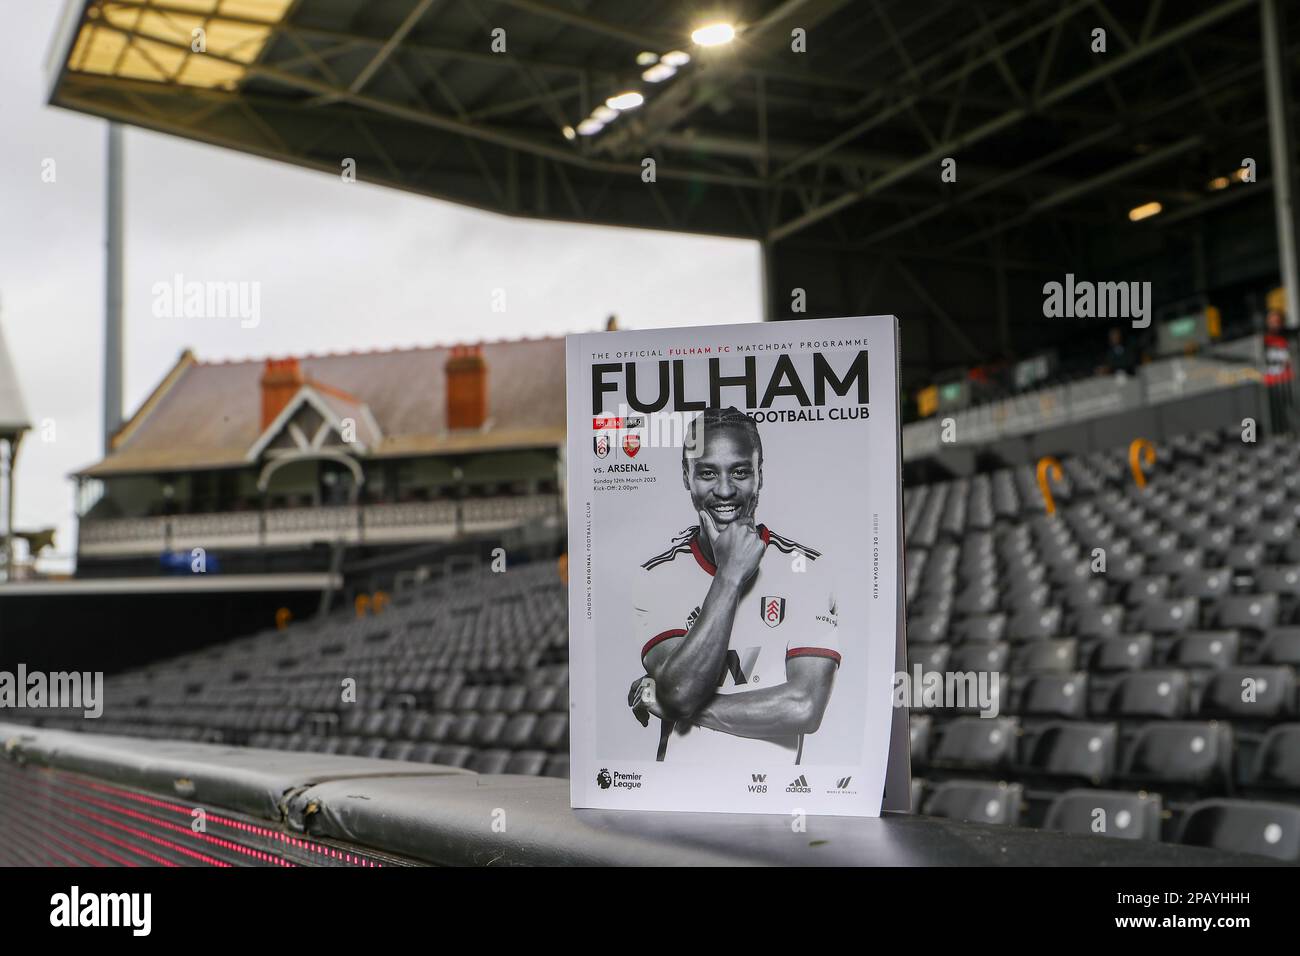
x=641, y=698
x=737, y=547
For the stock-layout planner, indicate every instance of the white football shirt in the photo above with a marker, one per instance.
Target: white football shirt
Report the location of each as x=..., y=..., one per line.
x=786, y=609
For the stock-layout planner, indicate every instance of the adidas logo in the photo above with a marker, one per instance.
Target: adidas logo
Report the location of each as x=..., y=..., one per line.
x=799, y=785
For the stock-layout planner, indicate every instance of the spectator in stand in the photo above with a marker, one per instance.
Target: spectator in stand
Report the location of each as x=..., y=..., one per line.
x=1120, y=357
x=1279, y=372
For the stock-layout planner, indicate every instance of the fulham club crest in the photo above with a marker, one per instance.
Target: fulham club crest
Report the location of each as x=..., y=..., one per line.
x=773, y=609
x=601, y=444
x=631, y=444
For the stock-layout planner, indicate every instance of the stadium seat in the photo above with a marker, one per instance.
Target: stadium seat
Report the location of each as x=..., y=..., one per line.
x=488, y=729
x=1242, y=826
x=1281, y=645
x=1206, y=584
x=557, y=765
x=979, y=657
x=930, y=657
x=976, y=743
x=489, y=761
x=1131, y=652
x=438, y=727
x=1100, y=621
x=1204, y=649
x=1249, y=693
x=1153, y=693
x=518, y=731
x=975, y=801
x=1172, y=616
x=1277, y=761
x=552, y=732
x=980, y=628
x=1053, y=695
x=1034, y=624
x=1173, y=752
x=1074, y=749
x=1112, y=813
x=1256, y=612
x=528, y=762
x=1045, y=657
x=454, y=755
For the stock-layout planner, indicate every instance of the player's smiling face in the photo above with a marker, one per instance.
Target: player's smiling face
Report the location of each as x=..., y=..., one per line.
x=724, y=480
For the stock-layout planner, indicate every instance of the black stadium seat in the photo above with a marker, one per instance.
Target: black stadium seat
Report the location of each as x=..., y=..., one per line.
x=1113, y=813
x=1281, y=645
x=1173, y=752
x=1242, y=826
x=1205, y=649
x=976, y=743
x=1074, y=749
x=1130, y=652
x=1250, y=693
x=1153, y=693
x=1053, y=695
x=975, y=801
x=1277, y=762
x=1046, y=657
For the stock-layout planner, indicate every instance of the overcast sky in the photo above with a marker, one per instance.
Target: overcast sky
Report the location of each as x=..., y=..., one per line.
x=341, y=267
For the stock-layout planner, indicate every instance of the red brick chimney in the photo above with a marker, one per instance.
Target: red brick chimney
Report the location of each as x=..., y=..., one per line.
x=466, y=387
x=281, y=379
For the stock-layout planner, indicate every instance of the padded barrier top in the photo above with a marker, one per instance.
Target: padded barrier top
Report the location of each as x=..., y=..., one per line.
x=444, y=815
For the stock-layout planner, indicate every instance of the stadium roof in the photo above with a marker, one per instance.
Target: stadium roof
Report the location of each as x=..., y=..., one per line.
x=13, y=415
x=403, y=389
x=830, y=157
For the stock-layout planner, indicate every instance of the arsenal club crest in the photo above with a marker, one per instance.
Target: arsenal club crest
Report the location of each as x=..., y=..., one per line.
x=601, y=445
x=773, y=609
x=631, y=444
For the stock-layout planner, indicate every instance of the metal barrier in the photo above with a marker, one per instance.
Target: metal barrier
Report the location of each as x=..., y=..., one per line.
x=92, y=799
x=1219, y=368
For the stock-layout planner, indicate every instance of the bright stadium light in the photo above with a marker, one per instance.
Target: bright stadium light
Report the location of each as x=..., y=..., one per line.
x=714, y=34
x=569, y=132
x=604, y=114
x=625, y=101
x=646, y=58
x=1145, y=211
x=590, y=127
x=676, y=58
x=1220, y=182
x=658, y=73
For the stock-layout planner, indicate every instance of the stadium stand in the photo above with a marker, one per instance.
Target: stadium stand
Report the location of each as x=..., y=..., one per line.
x=1155, y=700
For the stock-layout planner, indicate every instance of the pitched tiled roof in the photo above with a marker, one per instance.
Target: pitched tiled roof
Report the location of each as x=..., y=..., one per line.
x=208, y=415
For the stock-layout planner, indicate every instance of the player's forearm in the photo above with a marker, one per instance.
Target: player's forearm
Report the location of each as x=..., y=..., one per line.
x=689, y=677
x=771, y=712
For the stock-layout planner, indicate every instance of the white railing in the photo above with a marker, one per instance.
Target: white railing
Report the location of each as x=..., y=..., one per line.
x=370, y=524
x=1164, y=380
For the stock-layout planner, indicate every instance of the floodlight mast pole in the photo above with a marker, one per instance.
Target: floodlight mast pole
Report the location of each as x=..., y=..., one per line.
x=1279, y=130
x=113, y=287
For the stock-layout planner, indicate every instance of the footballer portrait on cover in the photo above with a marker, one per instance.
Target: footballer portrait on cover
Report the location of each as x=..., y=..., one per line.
x=735, y=622
x=735, y=604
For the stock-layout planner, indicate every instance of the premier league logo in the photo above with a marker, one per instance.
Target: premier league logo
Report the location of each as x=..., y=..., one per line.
x=631, y=445
x=601, y=444
x=773, y=610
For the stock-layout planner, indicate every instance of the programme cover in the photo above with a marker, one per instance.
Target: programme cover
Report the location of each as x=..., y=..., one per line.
x=729, y=653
